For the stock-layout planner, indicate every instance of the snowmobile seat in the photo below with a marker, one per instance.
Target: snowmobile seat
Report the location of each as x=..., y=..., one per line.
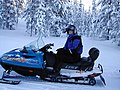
x=83, y=64
x=86, y=63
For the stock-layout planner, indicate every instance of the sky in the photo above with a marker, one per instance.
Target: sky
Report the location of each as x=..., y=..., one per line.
x=87, y=4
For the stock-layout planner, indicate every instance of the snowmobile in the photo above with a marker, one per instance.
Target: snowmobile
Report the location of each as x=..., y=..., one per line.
x=36, y=59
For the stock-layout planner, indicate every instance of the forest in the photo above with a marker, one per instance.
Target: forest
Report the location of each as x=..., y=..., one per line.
x=50, y=17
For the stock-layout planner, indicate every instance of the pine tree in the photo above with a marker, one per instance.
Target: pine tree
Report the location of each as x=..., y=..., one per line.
x=9, y=14
x=68, y=12
x=94, y=19
x=116, y=22
x=31, y=14
x=51, y=16
x=0, y=13
x=87, y=23
x=55, y=20
x=81, y=14
x=45, y=18
x=20, y=7
x=78, y=16
x=105, y=19
x=75, y=14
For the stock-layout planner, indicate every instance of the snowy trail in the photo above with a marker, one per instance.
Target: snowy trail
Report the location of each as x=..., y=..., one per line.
x=109, y=58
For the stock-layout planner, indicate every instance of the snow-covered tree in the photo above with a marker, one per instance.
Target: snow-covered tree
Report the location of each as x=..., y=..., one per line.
x=87, y=23
x=115, y=33
x=20, y=7
x=73, y=14
x=94, y=19
x=0, y=13
x=8, y=14
x=51, y=16
x=78, y=15
x=32, y=14
x=44, y=18
x=105, y=19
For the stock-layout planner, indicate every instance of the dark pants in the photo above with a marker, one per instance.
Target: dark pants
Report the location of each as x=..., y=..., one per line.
x=64, y=56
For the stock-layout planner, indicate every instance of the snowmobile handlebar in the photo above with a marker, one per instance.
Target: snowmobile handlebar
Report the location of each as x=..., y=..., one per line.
x=46, y=47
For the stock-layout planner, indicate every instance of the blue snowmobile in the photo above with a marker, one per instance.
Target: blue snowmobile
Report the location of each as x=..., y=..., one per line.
x=35, y=59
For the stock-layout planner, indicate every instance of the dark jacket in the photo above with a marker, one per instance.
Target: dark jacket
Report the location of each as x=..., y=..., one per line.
x=75, y=45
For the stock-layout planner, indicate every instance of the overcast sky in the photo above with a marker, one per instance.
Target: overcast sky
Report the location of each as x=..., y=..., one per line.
x=87, y=3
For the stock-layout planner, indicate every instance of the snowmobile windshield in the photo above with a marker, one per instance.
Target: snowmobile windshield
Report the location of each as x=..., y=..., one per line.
x=35, y=45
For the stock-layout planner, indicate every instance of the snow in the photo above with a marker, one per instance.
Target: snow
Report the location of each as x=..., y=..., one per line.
x=109, y=58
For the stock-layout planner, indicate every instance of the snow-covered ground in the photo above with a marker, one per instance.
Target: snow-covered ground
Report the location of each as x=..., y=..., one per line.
x=109, y=58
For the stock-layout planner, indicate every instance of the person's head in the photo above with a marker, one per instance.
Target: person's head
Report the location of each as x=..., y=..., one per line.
x=71, y=29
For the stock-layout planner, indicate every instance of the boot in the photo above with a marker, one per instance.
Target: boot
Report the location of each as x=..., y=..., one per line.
x=56, y=72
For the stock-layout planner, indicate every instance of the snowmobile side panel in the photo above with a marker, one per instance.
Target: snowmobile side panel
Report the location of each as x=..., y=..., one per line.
x=25, y=71
x=31, y=59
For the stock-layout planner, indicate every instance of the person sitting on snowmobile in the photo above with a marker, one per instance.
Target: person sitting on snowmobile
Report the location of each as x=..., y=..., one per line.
x=72, y=50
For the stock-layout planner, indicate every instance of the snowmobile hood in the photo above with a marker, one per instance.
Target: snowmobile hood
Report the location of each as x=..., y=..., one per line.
x=17, y=57
x=28, y=56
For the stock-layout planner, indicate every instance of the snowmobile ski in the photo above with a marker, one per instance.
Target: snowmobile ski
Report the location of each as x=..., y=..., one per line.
x=72, y=80
x=10, y=81
x=21, y=77
x=86, y=78
x=13, y=82
x=103, y=80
